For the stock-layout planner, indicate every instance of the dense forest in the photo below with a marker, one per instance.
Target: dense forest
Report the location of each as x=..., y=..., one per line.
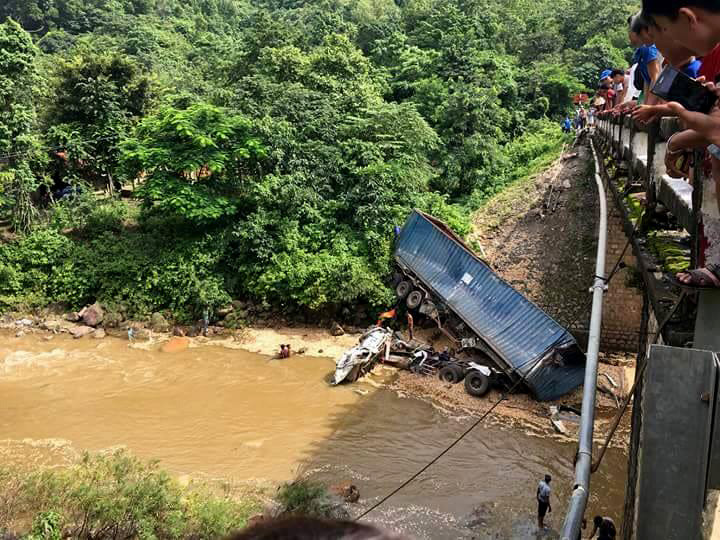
x=167, y=155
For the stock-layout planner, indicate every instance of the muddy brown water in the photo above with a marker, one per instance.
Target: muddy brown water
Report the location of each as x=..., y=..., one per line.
x=216, y=412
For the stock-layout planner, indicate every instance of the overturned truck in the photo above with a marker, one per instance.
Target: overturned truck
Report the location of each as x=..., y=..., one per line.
x=488, y=320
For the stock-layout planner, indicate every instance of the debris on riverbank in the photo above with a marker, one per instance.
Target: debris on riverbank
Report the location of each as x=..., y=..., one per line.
x=520, y=410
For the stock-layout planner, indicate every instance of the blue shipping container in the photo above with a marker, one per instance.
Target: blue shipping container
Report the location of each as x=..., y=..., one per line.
x=531, y=343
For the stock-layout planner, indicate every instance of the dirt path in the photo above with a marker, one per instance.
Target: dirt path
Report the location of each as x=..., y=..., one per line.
x=547, y=252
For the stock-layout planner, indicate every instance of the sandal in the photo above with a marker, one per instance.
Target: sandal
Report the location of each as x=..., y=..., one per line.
x=702, y=278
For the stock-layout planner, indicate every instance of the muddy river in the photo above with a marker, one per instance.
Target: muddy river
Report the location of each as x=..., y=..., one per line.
x=217, y=412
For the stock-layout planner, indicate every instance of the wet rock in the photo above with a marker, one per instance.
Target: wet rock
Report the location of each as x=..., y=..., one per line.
x=303, y=350
x=178, y=331
x=92, y=315
x=113, y=319
x=158, y=323
x=349, y=492
x=72, y=317
x=24, y=322
x=99, y=333
x=225, y=311
x=48, y=338
x=337, y=330
x=78, y=332
x=20, y=334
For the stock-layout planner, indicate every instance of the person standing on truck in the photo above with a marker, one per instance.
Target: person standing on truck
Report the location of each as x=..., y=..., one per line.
x=543, y=498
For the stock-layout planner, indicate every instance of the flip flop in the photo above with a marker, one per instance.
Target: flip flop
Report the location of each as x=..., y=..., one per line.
x=702, y=278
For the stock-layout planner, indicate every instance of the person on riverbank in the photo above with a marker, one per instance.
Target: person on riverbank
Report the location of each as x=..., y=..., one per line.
x=543, y=499
x=411, y=326
x=605, y=527
x=206, y=320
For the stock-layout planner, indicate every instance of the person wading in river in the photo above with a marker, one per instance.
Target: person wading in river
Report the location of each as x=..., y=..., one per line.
x=543, y=498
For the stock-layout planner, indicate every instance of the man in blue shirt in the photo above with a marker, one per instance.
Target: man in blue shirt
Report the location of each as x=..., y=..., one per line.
x=646, y=57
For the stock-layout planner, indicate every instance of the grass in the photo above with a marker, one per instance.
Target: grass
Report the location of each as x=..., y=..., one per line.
x=116, y=496
x=516, y=198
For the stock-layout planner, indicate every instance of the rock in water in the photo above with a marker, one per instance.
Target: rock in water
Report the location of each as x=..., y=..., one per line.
x=176, y=344
x=337, y=330
x=93, y=315
x=81, y=331
x=158, y=323
x=99, y=333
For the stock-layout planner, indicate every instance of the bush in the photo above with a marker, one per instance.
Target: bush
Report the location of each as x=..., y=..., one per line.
x=117, y=496
x=305, y=498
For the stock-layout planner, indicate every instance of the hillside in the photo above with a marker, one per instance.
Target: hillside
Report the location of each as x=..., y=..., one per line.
x=158, y=155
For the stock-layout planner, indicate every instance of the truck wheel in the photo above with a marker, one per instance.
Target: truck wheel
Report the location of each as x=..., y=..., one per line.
x=414, y=299
x=477, y=384
x=403, y=289
x=451, y=374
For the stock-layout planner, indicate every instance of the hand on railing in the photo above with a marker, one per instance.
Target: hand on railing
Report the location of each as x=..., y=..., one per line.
x=707, y=125
x=649, y=113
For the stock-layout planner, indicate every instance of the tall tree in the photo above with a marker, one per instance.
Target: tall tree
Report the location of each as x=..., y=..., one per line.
x=19, y=82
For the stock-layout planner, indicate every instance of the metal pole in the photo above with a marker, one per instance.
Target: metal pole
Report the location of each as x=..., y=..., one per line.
x=581, y=489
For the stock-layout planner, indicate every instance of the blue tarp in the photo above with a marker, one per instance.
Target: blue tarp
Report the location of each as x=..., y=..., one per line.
x=532, y=344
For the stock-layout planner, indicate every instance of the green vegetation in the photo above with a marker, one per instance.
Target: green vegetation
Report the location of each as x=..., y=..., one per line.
x=307, y=498
x=114, y=496
x=673, y=257
x=269, y=146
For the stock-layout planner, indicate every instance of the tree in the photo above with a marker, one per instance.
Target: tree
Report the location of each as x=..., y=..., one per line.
x=19, y=82
x=195, y=162
x=98, y=98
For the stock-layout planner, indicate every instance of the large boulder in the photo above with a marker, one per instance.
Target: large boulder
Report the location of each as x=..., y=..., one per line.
x=113, y=319
x=92, y=315
x=337, y=330
x=81, y=331
x=158, y=323
x=225, y=311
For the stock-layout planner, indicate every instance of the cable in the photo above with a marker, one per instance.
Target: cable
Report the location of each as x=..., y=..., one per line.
x=439, y=456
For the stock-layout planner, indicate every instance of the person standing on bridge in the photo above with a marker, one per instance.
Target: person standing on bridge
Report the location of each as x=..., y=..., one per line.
x=543, y=499
x=695, y=24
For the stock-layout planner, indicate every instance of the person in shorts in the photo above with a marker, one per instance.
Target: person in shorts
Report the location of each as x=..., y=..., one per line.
x=543, y=499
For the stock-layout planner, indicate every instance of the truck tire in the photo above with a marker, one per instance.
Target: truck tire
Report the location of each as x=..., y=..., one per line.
x=477, y=384
x=414, y=300
x=403, y=289
x=451, y=374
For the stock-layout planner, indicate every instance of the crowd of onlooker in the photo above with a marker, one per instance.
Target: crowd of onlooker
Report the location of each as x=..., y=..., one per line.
x=684, y=34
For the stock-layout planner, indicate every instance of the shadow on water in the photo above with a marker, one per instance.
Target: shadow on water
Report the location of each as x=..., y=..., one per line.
x=483, y=488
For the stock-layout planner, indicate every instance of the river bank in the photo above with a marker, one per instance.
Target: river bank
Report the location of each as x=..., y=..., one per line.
x=518, y=411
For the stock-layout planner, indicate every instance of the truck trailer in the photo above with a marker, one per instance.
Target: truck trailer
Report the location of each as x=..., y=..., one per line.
x=486, y=318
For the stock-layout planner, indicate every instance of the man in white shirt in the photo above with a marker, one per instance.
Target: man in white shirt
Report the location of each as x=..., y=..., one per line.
x=543, y=498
